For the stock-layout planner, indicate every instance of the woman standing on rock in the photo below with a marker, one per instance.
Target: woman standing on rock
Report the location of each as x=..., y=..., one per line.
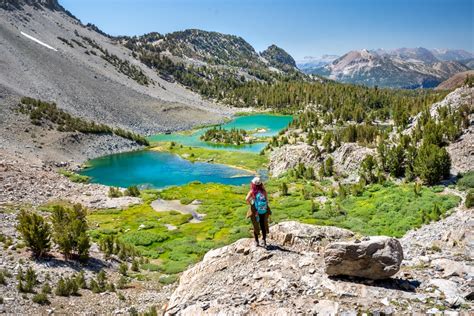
x=259, y=210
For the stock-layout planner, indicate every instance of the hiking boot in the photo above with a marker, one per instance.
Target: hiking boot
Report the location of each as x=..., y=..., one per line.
x=256, y=243
x=264, y=244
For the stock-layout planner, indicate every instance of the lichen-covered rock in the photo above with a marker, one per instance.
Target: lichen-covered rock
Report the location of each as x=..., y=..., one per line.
x=375, y=258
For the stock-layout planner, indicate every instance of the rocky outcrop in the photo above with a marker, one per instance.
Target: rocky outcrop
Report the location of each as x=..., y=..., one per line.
x=289, y=277
x=239, y=278
x=375, y=258
x=453, y=101
x=289, y=156
x=462, y=150
x=18, y=4
x=347, y=159
x=279, y=58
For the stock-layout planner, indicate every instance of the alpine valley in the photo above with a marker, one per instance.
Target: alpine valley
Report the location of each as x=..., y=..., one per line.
x=125, y=162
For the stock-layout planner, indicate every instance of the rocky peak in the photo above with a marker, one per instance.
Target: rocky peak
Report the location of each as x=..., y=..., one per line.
x=18, y=4
x=279, y=58
x=213, y=47
x=415, y=54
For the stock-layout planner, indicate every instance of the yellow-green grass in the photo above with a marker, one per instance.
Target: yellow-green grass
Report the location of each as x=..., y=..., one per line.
x=74, y=177
x=242, y=160
x=381, y=210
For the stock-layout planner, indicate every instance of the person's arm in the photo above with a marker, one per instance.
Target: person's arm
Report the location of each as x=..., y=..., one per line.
x=249, y=197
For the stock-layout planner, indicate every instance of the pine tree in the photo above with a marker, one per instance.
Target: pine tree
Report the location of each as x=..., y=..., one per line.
x=61, y=289
x=395, y=161
x=70, y=231
x=367, y=169
x=314, y=207
x=284, y=188
x=30, y=280
x=81, y=280
x=329, y=167
x=432, y=163
x=35, y=232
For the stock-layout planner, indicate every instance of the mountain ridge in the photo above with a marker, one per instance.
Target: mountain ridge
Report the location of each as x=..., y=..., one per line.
x=400, y=68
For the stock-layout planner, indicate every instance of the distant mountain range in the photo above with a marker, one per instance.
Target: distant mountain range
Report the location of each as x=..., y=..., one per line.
x=310, y=63
x=397, y=68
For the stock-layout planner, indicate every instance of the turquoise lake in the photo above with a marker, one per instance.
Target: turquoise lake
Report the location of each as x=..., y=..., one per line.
x=155, y=169
x=271, y=124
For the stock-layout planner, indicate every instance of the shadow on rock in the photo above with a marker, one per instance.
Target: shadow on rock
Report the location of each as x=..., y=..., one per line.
x=278, y=248
x=92, y=264
x=390, y=283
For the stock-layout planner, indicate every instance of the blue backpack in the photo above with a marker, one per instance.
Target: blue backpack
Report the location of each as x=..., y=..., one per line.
x=261, y=203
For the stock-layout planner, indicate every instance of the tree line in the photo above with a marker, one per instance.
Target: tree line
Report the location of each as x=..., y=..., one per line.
x=41, y=112
x=221, y=135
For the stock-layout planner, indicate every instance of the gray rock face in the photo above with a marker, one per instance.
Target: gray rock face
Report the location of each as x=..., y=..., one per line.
x=289, y=156
x=377, y=258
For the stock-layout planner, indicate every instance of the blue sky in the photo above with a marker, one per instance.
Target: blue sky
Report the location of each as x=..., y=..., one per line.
x=302, y=27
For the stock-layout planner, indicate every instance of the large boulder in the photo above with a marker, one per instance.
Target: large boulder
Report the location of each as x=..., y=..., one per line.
x=373, y=258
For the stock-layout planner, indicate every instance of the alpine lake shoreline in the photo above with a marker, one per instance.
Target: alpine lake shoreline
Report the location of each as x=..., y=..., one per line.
x=173, y=242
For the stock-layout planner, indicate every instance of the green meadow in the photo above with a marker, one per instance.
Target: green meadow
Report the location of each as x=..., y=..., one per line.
x=239, y=159
x=387, y=209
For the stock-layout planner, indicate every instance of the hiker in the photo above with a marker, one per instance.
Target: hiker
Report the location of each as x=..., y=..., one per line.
x=259, y=210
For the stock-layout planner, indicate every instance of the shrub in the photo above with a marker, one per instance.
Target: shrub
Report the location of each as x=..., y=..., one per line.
x=151, y=267
x=74, y=177
x=466, y=181
x=120, y=296
x=132, y=191
x=61, y=288
x=144, y=238
x=417, y=189
x=284, y=188
x=95, y=287
x=72, y=286
x=135, y=266
x=70, y=231
x=169, y=279
x=114, y=192
x=102, y=280
x=46, y=288
x=111, y=287
x=123, y=268
x=35, y=232
x=4, y=274
x=122, y=282
x=469, y=199
x=26, y=281
x=151, y=312
x=81, y=280
x=111, y=245
x=41, y=299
